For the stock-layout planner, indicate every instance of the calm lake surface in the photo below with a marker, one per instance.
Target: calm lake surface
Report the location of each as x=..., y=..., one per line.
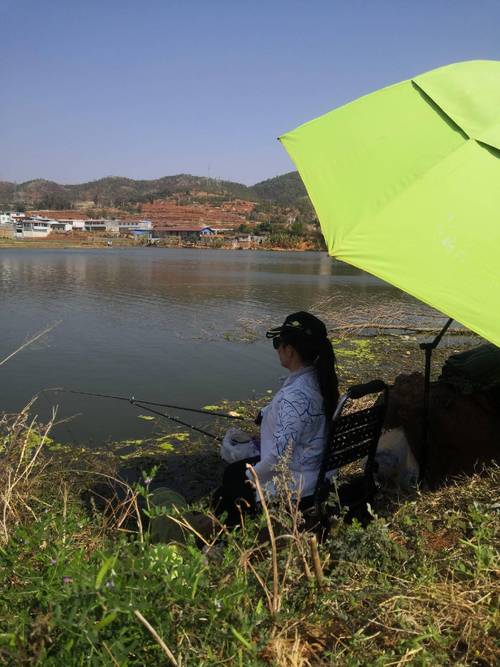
x=171, y=325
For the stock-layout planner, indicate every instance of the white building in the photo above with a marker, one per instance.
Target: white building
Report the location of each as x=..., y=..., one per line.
x=7, y=225
x=103, y=226
x=60, y=225
x=77, y=225
x=136, y=227
x=39, y=228
x=33, y=228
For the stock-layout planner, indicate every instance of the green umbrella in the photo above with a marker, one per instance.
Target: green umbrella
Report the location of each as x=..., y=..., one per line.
x=406, y=185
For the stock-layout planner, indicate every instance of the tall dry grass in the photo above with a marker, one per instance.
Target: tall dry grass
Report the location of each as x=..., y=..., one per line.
x=23, y=469
x=37, y=475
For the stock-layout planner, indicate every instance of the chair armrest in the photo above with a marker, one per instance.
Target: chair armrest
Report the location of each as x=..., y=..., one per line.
x=360, y=390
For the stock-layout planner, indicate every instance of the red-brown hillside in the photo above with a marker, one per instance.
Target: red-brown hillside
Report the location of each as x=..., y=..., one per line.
x=164, y=213
x=168, y=213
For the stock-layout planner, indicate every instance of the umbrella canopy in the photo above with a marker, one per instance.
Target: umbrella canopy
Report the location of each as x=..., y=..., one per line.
x=406, y=185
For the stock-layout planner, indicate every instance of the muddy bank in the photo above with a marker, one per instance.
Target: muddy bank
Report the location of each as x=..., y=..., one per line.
x=104, y=242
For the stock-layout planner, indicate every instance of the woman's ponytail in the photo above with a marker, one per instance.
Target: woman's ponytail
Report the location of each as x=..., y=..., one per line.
x=327, y=377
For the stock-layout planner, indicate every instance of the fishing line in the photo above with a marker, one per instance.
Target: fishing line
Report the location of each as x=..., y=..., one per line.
x=64, y=421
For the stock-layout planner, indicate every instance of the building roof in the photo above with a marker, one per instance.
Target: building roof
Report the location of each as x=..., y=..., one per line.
x=184, y=228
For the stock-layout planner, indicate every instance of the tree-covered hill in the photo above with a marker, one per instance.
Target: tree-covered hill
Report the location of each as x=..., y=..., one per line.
x=116, y=191
x=286, y=189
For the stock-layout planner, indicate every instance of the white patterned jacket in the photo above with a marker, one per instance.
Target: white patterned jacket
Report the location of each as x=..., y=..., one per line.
x=295, y=418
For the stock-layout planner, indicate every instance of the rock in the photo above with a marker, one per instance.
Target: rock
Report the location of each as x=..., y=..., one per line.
x=464, y=430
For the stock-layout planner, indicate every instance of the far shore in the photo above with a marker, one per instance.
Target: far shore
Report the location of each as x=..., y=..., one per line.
x=102, y=242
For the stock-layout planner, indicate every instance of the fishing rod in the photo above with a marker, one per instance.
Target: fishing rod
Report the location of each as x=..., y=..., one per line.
x=134, y=401
x=177, y=421
x=143, y=405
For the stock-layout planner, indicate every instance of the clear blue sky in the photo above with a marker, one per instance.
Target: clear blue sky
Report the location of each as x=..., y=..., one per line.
x=156, y=87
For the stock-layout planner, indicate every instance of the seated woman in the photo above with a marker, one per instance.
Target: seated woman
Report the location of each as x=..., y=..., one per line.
x=295, y=421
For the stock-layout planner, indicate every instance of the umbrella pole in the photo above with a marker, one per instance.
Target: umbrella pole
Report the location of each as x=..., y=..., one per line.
x=428, y=348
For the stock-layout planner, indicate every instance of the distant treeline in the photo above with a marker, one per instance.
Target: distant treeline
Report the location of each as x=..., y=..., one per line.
x=287, y=190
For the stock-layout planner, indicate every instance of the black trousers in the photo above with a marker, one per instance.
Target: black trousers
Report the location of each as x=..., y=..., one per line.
x=236, y=495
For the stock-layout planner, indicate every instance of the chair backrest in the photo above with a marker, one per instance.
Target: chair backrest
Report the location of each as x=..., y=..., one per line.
x=354, y=436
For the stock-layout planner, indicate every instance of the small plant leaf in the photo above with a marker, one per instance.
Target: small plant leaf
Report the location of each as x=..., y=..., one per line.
x=109, y=618
x=242, y=639
x=105, y=567
x=8, y=638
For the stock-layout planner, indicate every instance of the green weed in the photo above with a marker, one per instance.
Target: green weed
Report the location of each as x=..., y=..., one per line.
x=418, y=586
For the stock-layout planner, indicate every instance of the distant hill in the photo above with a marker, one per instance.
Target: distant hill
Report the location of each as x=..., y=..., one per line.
x=286, y=189
x=117, y=191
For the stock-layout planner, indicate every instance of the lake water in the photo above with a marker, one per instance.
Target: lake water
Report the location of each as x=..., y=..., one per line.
x=171, y=325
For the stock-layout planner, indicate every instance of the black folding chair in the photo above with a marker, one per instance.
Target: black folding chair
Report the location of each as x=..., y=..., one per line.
x=352, y=437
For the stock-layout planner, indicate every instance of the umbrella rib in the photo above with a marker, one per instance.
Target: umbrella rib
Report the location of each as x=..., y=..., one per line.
x=440, y=111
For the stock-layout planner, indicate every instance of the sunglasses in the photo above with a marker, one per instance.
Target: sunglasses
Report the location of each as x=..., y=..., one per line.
x=276, y=342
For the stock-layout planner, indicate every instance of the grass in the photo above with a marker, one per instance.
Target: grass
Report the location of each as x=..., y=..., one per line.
x=418, y=586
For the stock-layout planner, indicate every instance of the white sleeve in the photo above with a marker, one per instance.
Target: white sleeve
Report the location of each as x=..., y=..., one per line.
x=292, y=410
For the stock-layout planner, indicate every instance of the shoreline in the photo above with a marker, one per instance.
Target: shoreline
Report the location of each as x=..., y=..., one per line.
x=129, y=244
